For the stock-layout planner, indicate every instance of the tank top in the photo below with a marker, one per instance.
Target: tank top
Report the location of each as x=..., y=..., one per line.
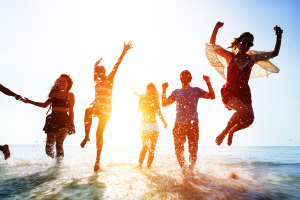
x=64, y=103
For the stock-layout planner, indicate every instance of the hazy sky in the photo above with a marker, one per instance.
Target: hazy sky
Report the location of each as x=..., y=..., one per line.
x=39, y=40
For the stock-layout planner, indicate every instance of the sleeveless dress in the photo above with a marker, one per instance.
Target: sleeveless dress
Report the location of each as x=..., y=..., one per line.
x=237, y=83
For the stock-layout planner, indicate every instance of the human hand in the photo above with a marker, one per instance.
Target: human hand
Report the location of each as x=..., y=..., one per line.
x=165, y=85
x=18, y=97
x=219, y=24
x=206, y=78
x=165, y=125
x=278, y=30
x=97, y=63
x=127, y=46
x=25, y=100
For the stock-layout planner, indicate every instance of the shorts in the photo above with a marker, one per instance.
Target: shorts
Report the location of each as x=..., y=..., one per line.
x=149, y=127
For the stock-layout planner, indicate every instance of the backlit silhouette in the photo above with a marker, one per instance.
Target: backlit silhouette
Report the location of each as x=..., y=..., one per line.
x=239, y=65
x=61, y=121
x=148, y=107
x=101, y=107
x=186, y=124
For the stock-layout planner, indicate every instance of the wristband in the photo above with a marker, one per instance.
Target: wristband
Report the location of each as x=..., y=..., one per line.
x=208, y=84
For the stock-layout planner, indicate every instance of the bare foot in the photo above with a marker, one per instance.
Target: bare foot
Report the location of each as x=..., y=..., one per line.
x=229, y=139
x=84, y=141
x=97, y=166
x=6, y=152
x=220, y=138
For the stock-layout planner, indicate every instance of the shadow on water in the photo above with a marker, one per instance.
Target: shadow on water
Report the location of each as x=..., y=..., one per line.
x=93, y=189
x=19, y=186
x=197, y=186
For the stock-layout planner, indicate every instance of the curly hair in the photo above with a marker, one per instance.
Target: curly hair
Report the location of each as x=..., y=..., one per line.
x=55, y=87
x=236, y=40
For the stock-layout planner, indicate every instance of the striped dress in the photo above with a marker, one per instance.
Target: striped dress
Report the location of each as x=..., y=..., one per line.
x=103, y=96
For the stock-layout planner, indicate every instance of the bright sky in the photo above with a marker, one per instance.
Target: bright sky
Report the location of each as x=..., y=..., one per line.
x=39, y=40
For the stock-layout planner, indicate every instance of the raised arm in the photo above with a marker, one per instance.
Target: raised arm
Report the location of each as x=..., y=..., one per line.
x=126, y=48
x=220, y=51
x=164, y=100
x=214, y=33
x=211, y=93
x=278, y=32
x=8, y=92
x=161, y=118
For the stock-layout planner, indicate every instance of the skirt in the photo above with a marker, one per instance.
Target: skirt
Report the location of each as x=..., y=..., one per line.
x=57, y=120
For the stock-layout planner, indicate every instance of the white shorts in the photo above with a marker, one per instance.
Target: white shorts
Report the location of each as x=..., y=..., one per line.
x=149, y=126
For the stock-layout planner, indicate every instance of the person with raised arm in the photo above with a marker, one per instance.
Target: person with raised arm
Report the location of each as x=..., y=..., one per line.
x=8, y=92
x=60, y=122
x=186, y=123
x=237, y=67
x=101, y=107
x=148, y=106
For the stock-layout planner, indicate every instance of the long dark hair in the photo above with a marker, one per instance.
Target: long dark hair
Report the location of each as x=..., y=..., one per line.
x=235, y=41
x=55, y=87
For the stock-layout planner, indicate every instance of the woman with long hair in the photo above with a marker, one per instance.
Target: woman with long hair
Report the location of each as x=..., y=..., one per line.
x=101, y=107
x=237, y=67
x=60, y=122
x=148, y=106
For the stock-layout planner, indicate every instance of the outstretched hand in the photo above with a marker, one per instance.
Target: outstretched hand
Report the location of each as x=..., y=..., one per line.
x=18, y=97
x=25, y=100
x=206, y=78
x=127, y=46
x=97, y=63
x=219, y=24
x=165, y=85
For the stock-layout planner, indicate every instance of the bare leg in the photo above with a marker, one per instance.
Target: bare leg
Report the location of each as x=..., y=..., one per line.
x=50, y=141
x=145, y=140
x=241, y=112
x=152, y=145
x=99, y=142
x=5, y=150
x=244, y=123
x=60, y=138
x=88, y=118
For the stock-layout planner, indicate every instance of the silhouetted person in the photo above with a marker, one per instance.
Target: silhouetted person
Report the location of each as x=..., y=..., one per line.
x=4, y=90
x=101, y=107
x=60, y=122
x=148, y=107
x=186, y=124
x=241, y=64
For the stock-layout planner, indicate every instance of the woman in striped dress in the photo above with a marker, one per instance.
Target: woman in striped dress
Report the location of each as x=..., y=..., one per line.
x=101, y=106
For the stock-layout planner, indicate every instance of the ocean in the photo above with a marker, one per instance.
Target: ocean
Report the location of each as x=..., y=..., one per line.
x=221, y=173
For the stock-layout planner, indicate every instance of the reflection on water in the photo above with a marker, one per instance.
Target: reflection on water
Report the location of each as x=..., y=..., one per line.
x=225, y=176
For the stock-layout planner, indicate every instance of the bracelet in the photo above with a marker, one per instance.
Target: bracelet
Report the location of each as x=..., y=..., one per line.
x=208, y=84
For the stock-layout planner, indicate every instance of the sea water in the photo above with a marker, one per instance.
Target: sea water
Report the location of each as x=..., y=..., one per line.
x=220, y=173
